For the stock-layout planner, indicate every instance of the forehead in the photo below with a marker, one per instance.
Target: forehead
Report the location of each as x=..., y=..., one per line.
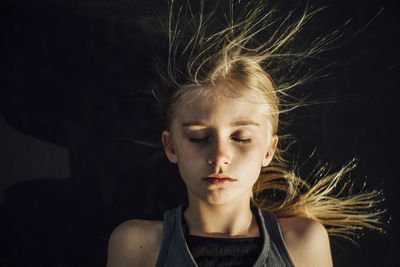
x=220, y=108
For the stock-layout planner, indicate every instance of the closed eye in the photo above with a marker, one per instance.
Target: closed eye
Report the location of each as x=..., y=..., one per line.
x=241, y=140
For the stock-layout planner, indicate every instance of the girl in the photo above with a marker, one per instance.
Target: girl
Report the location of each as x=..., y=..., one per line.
x=221, y=111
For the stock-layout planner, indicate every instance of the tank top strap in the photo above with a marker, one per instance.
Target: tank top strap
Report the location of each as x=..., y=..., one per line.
x=278, y=246
x=173, y=250
x=265, y=250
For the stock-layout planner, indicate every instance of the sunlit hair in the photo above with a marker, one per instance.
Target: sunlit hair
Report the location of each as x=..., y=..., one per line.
x=252, y=53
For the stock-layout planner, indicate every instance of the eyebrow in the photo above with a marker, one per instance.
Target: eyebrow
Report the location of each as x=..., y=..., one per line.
x=235, y=123
x=244, y=122
x=194, y=123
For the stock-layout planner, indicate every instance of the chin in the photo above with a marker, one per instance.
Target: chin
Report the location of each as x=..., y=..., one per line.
x=220, y=198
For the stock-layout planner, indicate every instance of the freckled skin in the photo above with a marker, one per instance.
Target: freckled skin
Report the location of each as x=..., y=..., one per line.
x=237, y=151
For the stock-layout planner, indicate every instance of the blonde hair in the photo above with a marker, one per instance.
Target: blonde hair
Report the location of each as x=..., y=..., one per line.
x=247, y=52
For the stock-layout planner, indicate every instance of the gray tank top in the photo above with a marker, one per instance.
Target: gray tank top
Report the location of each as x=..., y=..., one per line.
x=174, y=251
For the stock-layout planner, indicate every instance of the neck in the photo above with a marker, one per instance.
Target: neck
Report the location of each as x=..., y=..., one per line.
x=222, y=220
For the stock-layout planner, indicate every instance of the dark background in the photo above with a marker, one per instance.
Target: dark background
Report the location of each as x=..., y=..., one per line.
x=75, y=98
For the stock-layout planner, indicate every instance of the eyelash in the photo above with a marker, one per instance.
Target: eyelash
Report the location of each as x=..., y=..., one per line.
x=200, y=140
x=243, y=141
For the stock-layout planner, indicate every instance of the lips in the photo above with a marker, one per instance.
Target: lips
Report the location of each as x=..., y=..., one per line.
x=218, y=179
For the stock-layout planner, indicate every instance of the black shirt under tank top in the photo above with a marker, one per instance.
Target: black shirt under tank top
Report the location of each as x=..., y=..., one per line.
x=211, y=251
x=223, y=252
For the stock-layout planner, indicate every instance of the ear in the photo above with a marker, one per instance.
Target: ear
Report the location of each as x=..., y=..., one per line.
x=168, y=146
x=270, y=151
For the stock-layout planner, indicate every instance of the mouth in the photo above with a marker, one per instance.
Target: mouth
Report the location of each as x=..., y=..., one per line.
x=218, y=179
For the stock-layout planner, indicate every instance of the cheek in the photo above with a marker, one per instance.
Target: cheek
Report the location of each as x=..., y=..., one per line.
x=253, y=157
x=251, y=153
x=189, y=156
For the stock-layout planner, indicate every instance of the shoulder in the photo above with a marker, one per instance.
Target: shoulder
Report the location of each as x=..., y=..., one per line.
x=307, y=241
x=135, y=243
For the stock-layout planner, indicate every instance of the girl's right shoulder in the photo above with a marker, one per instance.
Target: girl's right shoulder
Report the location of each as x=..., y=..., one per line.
x=135, y=243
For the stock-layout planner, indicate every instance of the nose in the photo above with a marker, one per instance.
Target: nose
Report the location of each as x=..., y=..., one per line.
x=219, y=154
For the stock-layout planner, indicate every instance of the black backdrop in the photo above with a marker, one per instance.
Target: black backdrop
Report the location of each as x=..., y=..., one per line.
x=75, y=81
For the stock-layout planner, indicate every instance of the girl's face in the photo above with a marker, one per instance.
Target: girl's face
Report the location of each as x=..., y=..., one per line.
x=220, y=146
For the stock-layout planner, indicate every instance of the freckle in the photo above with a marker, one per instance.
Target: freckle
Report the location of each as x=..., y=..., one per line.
x=141, y=246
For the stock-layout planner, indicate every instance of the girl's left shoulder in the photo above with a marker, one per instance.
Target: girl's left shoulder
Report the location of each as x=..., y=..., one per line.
x=307, y=242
